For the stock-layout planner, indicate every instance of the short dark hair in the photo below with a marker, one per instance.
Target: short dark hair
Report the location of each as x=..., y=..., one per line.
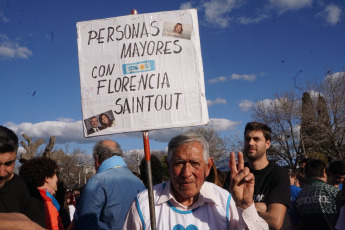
x=257, y=126
x=37, y=169
x=157, y=171
x=102, y=152
x=8, y=140
x=337, y=168
x=314, y=168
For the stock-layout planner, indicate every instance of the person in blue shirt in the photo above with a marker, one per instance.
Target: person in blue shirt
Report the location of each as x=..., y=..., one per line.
x=107, y=196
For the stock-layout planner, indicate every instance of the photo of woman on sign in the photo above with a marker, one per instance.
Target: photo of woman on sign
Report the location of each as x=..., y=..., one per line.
x=178, y=28
x=105, y=121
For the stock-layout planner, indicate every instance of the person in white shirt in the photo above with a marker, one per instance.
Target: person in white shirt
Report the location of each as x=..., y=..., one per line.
x=187, y=201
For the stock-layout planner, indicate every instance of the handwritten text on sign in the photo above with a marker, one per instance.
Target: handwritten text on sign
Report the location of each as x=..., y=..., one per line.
x=141, y=72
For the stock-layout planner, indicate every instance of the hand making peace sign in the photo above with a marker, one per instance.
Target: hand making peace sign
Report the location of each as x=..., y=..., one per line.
x=241, y=182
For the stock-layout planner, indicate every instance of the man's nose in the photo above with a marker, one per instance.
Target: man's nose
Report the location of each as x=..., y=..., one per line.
x=187, y=170
x=251, y=142
x=2, y=171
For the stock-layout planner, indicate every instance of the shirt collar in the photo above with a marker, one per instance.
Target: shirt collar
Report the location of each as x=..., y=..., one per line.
x=112, y=162
x=206, y=196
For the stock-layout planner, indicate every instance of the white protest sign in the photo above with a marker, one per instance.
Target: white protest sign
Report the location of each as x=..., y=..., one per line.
x=141, y=72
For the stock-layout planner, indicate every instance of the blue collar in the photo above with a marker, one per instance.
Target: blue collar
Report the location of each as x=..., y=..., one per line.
x=55, y=202
x=112, y=162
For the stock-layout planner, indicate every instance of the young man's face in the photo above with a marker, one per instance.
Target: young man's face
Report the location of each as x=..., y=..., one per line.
x=7, y=161
x=255, y=145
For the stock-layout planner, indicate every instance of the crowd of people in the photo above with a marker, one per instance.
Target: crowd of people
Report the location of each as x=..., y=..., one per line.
x=256, y=194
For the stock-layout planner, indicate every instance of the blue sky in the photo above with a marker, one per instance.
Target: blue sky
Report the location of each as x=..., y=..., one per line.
x=250, y=50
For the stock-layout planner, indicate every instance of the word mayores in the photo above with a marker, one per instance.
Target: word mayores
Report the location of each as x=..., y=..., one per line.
x=150, y=48
x=135, y=31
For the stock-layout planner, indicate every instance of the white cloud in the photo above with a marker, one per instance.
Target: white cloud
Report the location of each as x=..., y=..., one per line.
x=248, y=21
x=11, y=49
x=331, y=13
x=335, y=76
x=186, y=5
x=68, y=131
x=3, y=18
x=64, y=131
x=267, y=103
x=246, y=77
x=221, y=124
x=219, y=100
x=218, y=79
x=314, y=94
x=216, y=11
x=246, y=105
x=286, y=5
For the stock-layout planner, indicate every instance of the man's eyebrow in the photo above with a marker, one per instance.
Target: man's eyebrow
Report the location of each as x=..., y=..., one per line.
x=7, y=162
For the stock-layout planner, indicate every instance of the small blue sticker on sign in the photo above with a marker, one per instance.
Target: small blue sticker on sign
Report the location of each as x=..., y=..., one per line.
x=138, y=67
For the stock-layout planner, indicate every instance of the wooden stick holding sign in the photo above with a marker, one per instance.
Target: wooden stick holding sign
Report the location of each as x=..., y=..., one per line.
x=149, y=178
x=148, y=170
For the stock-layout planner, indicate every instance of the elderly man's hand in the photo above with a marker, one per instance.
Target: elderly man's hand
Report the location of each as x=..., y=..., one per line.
x=242, y=182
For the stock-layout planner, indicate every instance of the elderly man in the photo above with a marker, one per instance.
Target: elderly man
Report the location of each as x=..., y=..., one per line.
x=187, y=201
x=20, y=203
x=108, y=195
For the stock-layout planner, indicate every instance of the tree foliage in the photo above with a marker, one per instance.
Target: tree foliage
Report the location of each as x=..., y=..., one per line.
x=218, y=147
x=282, y=115
x=308, y=123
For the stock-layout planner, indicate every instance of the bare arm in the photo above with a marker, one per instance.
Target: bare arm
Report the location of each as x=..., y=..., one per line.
x=273, y=215
x=17, y=221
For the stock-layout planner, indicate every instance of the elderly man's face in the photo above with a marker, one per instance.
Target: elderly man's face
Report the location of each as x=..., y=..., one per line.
x=188, y=171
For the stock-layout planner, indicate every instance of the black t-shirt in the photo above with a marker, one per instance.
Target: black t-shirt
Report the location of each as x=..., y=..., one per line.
x=272, y=185
x=18, y=196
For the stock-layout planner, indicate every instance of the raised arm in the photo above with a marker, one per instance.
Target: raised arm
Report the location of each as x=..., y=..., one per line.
x=242, y=182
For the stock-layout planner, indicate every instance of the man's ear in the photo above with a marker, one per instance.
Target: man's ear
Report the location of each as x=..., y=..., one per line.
x=324, y=173
x=209, y=164
x=268, y=144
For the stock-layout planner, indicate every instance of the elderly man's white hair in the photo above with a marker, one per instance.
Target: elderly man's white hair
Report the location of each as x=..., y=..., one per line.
x=185, y=138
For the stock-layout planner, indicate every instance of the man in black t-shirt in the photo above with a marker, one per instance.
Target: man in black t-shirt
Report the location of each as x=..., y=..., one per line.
x=16, y=196
x=272, y=184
